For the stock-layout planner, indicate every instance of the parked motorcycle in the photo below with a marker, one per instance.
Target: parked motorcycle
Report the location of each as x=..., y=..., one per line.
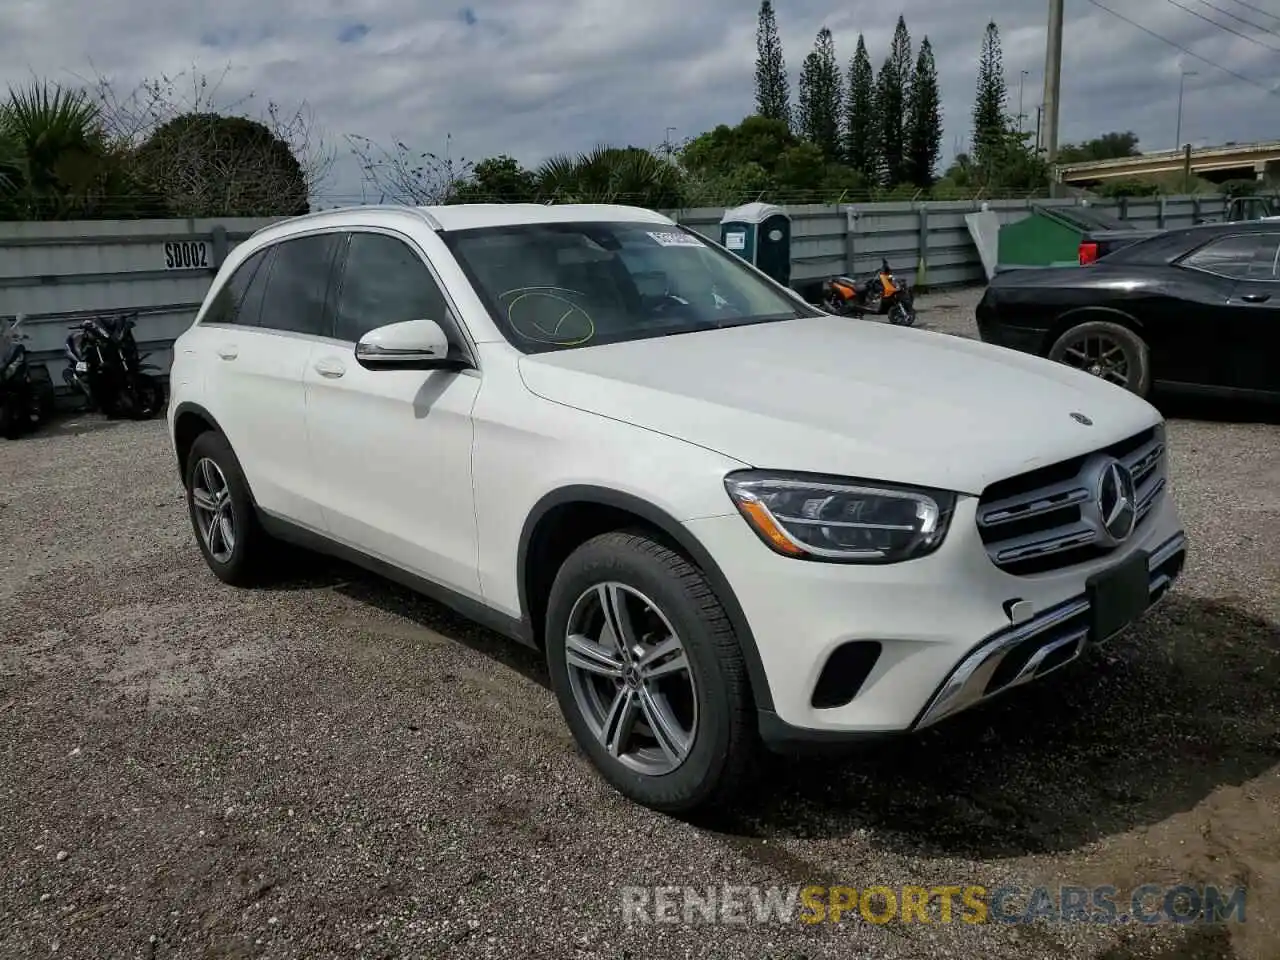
x=880, y=294
x=104, y=366
x=26, y=391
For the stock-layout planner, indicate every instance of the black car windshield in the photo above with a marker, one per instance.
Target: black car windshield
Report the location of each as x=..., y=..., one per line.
x=557, y=286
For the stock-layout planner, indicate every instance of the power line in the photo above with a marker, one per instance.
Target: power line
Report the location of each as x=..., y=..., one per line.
x=1177, y=46
x=1250, y=6
x=1247, y=23
x=1223, y=27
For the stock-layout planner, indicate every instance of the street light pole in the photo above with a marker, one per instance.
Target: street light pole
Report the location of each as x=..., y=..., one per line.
x=667, y=141
x=1182, y=82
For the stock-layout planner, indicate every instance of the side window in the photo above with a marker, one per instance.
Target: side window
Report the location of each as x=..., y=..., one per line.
x=1242, y=257
x=385, y=281
x=298, y=284
x=228, y=300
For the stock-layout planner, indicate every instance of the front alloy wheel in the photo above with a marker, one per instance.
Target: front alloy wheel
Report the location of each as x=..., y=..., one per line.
x=649, y=673
x=630, y=678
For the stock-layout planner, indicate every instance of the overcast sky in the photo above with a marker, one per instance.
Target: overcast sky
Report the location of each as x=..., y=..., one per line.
x=533, y=78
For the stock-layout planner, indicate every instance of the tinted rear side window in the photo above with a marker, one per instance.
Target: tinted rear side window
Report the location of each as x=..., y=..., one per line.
x=298, y=285
x=1242, y=257
x=228, y=302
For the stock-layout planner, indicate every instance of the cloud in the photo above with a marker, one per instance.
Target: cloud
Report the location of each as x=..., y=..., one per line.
x=533, y=80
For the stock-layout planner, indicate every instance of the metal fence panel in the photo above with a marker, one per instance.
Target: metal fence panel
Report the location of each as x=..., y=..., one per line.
x=58, y=272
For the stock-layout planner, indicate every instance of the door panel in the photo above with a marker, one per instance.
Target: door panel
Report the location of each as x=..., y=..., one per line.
x=254, y=384
x=392, y=448
x=1233, y=344
x=1250, y=341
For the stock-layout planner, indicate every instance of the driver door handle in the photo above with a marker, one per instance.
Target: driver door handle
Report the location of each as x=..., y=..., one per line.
x=228, y=351
x=330, y=367
x=1255, y=297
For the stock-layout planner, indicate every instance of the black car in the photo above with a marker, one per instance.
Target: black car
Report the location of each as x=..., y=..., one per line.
x=1195, y=309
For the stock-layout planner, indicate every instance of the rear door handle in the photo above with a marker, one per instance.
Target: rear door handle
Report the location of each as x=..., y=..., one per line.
x=1255, y=297
x=329, y=367
x=228, y=351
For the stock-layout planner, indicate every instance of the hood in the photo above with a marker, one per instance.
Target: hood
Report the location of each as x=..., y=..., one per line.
x=848, y=397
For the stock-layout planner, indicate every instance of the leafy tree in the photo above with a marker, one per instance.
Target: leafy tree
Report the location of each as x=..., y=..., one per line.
x=820, y=96
x=498, y=179
x=773, y=90
x=924, y=120
x=756, y=140
x=1109, y=146
x=861, y=129
x=989, y=121
x=209, y=165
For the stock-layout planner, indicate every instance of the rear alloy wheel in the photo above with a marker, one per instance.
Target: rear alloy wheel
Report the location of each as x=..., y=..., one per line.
x=1106, y=350
x=222, y=514
x=649, y=674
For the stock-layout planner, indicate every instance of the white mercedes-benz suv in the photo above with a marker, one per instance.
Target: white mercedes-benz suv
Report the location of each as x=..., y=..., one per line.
x=730, y=520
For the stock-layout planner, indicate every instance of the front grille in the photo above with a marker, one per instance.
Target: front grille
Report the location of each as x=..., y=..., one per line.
x=1042, y=520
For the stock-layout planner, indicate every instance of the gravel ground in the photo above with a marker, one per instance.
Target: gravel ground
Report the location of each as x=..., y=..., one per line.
x=334, y=768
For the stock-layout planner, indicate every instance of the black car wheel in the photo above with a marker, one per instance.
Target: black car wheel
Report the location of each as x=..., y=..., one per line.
x=1107, y=350
x=649, y=674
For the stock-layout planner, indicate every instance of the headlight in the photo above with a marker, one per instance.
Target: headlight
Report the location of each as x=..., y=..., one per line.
x=841, y=521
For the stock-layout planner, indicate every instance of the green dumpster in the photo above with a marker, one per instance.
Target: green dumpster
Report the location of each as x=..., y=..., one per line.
x=1050, y=236
x=760, y=233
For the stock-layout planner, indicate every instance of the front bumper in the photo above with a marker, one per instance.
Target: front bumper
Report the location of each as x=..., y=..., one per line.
x=951, y=628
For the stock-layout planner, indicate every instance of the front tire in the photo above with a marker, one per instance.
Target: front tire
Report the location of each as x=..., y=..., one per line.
x=226, y=526
x=667, y=717
x=1109, y=351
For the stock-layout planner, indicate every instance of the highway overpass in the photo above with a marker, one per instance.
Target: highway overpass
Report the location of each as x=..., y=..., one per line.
x=1233, y=161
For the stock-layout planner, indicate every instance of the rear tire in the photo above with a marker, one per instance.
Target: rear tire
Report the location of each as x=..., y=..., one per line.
x=685, y=735
x=1109, y=351
x=223, y=517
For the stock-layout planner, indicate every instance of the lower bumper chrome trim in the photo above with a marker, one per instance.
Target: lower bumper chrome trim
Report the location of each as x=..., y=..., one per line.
x=1030, y=650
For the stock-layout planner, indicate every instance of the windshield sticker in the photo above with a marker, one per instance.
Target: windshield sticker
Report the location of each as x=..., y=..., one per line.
x=676, y=238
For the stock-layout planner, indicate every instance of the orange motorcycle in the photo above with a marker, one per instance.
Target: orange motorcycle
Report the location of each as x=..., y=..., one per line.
x=881, y=294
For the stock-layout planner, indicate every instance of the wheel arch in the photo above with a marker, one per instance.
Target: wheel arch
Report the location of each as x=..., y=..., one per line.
x=1078, y=315
x=567, y=517
x=190, y=420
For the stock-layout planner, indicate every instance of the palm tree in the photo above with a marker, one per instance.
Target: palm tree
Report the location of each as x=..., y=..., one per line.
x=54, y=159
x=611, y=175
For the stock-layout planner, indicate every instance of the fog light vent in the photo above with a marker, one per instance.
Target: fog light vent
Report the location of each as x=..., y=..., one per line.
x=846, y=671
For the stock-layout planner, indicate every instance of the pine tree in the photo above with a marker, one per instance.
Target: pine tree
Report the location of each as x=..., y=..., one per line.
x=773, y=91
x=820, y=96
x=989, y=123
x=861, y=131
x=924, y=120
x=892, y=89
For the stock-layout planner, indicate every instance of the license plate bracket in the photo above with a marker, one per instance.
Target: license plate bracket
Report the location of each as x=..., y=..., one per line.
x=1118, y=596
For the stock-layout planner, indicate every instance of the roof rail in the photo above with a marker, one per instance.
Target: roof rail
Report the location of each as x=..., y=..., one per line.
x=421, y=212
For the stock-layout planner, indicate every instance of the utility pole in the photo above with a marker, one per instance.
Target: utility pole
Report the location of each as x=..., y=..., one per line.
x=1052, y=88
x=1022, y=81
x=1182, y=82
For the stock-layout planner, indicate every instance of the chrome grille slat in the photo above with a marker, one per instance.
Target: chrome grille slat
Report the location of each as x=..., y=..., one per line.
x=1032, y=526
x=1051, y=498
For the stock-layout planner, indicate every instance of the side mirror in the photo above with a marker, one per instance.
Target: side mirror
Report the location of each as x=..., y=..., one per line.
x=409, y=345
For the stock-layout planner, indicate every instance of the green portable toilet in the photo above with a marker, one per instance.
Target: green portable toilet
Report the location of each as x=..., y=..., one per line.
x=760, y=233
x=1050, y=236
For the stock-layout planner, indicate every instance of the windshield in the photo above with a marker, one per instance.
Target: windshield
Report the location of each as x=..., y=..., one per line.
x=556, y=286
